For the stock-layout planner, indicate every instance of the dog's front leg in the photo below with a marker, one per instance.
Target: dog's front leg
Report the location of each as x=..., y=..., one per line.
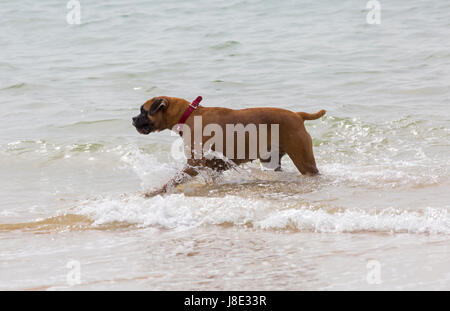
x=186, y=174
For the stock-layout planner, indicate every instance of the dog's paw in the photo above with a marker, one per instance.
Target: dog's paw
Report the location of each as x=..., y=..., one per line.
x=151, y=194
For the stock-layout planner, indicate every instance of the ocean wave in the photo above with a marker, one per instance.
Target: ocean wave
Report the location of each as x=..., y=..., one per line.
x=14, y=86
x=181, y=212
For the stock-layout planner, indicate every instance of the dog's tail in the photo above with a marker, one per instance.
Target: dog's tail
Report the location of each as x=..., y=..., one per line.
x=311, y=116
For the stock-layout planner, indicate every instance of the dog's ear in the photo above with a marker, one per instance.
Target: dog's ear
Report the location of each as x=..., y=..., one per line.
x=160, y=103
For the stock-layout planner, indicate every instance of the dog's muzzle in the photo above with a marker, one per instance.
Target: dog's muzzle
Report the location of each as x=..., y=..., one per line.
x=142, y=124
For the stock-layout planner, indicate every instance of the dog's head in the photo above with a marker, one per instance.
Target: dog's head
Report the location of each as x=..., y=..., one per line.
x=159, y=113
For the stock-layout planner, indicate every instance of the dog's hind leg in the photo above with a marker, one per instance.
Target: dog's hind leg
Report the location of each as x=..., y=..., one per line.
x=300, y=150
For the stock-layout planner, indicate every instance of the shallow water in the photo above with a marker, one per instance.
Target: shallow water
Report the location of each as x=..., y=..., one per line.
x=74, y=169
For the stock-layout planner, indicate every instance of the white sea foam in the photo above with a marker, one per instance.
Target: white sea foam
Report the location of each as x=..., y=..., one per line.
x=151, y=172
x=177, y=211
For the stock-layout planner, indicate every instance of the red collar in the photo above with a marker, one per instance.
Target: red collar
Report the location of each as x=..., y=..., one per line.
x=189, y=110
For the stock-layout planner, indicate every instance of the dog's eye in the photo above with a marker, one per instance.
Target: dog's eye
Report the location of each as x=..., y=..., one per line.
x=143, y=110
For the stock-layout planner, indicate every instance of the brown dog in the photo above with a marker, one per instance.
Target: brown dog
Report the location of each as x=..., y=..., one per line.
x=160, y=113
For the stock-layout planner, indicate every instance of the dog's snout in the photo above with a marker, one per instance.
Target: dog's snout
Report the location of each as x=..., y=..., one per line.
x=139, y=121
x=134, y=121
x=142, y=124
